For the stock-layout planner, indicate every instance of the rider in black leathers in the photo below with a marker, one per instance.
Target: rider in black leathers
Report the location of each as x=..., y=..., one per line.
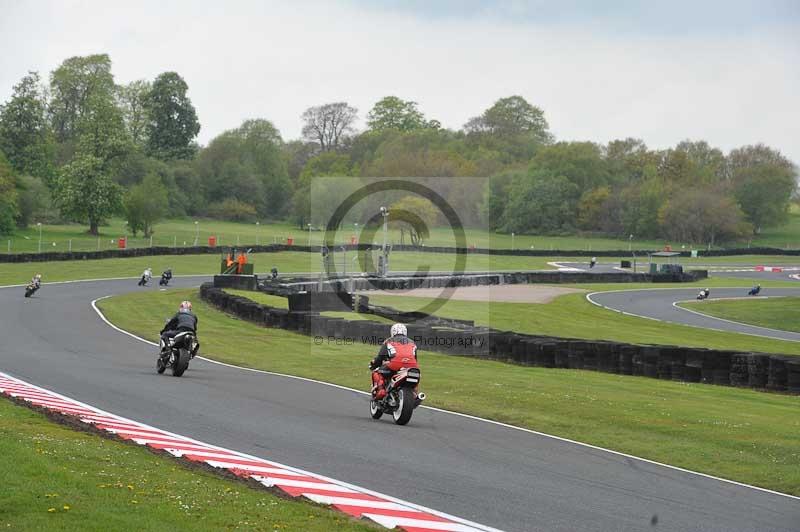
x=183, y=320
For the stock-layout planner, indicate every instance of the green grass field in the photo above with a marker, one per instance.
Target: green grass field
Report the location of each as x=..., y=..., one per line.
x=57, y=478
x=739, y=434
x=781, y=313
x=183, y=232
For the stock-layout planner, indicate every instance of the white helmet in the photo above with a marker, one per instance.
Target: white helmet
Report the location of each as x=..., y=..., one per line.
x=399, y=328
x=186, y=306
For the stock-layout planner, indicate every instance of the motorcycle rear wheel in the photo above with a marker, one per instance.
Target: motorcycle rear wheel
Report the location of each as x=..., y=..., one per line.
x=405, y=406
x=181, y=362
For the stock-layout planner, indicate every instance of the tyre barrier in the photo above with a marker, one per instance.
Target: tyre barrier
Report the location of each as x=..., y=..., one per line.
x=757, y=371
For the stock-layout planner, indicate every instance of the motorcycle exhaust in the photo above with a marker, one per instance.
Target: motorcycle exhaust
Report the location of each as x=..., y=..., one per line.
x=421, y=396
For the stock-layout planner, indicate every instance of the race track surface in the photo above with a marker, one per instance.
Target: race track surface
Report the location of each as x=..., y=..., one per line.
x=658, y=304
x=494, y=475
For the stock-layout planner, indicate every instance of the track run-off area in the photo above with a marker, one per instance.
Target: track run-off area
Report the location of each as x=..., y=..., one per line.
x=483, y=472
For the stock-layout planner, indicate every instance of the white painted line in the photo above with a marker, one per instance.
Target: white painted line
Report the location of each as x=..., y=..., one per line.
x=468, y=416
x=395, y=522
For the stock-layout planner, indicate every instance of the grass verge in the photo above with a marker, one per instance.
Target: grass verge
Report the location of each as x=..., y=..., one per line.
x=739, y=434
x=57, y=478
x=781, y=313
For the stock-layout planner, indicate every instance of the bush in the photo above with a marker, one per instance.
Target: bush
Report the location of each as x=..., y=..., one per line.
x=232, y=210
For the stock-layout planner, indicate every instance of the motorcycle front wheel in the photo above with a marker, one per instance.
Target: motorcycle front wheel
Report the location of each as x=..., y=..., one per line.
x=405, y=406
x=375, y=410
x=161, y=365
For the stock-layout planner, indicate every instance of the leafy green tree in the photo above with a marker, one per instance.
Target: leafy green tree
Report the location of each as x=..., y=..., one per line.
x=327, y=164
x=8, y=196
x=247, y=164
x=132, y=99
x=404, y=212
x=25, y=136
x=702, y=216
x=639, y=206
x=630, y=161
x=172, y=123
x=764, y=192
x=86, y=193
x=34, y=200
x=72, y=86
x=145, y=204
x=402, y=115
x=580, y=162
x=495, y=199
x=591, y=208
x=542, y=203
x=297, y=153
x=512, y=116
x=329, y=124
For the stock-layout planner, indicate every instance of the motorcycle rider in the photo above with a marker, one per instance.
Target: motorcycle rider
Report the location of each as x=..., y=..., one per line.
x=755, y=290
x=397, y=352
x=704, y=293
x=36, y=282
x=147, y=274
x=166, y=276
x=183, y=320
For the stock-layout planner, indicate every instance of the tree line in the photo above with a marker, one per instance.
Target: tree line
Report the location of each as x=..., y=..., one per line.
x=80, y=147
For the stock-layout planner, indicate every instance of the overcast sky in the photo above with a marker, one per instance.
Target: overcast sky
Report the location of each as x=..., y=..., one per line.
x=724, y=71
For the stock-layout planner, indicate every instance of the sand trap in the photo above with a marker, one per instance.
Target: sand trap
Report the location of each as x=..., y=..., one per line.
x=508, y=293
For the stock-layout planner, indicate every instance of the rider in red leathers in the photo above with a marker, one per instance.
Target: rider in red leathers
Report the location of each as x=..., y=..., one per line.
x=397, y=352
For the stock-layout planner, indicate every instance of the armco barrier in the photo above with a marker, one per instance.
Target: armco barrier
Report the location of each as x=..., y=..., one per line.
x=275, y=248
x=751, y=370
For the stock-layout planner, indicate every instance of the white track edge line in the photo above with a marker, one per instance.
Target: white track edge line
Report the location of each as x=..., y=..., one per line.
x=467, y=416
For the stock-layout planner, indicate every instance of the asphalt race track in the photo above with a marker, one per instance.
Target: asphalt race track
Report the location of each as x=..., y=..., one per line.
x=658, y=304
x=494, y=475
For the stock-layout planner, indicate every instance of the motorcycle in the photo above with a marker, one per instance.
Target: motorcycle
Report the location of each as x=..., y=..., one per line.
x=703, y=295
x=143, y=280
x=182, y=348
x=754, y=291
x=400, y=399
x=165, y=278
x=31, y=289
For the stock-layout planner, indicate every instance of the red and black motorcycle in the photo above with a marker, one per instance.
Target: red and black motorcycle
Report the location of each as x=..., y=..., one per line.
x=401, y=397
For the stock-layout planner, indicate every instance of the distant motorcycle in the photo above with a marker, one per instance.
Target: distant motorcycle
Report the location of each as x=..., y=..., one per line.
x=146, y=276
x=703, y=294
x=400, y=399
x=182, y=348
x=166, y=276
x=754, y=291
x=31, y=289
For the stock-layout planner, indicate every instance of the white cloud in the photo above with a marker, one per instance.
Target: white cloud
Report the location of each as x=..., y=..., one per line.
x=253, y=59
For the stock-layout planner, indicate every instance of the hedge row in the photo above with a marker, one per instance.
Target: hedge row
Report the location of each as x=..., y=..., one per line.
x=274, y=248
x=751, y=370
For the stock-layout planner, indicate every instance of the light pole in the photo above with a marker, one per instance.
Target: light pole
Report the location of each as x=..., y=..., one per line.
x=630, y=242
x=257, y=224
x=196, y=232
x=39, y=225
x=512, y=241
x=309, y=235
x=355, y=224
